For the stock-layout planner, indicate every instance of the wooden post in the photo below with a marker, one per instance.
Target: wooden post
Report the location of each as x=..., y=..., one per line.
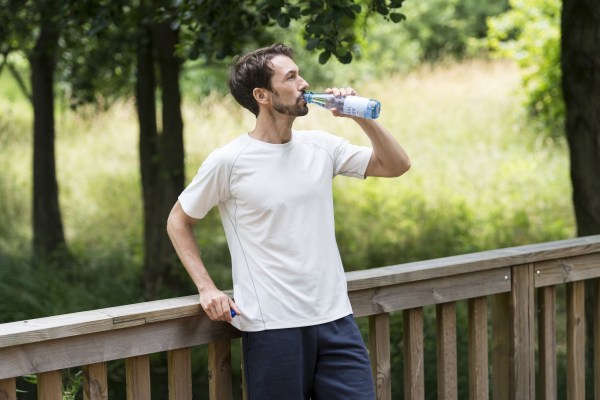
x=8, y=389
x=478, y=349
x=446, y=351
x=576, y=340
x=180, y=374
x=547, y=342
x=379, y=346
x=523, y=332
x=138, y=377
x=95, y=382
x=50, y=385
x=219, y=370
x=414, y=370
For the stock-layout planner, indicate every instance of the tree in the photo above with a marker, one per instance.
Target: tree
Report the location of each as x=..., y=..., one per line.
x=156, y=36
x=580, y=62
x=33, y=28
x=161, y=152
x=209, y=31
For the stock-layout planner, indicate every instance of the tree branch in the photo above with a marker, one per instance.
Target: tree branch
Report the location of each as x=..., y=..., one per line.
x=19, y=80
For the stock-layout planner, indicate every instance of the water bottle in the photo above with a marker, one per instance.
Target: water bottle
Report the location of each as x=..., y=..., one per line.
x=350, y=105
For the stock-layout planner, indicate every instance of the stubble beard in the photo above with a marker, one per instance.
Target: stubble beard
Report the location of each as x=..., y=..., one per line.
x=298, y=109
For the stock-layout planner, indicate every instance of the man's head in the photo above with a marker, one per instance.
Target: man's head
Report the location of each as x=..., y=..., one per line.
x=251, y=77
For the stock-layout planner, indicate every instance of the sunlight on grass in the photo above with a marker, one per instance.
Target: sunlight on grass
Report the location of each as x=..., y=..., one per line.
x=476, y=168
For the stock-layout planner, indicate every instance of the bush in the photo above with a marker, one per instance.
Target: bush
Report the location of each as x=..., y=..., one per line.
x=530, y=34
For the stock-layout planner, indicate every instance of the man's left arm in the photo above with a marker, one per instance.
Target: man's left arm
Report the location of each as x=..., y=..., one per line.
x=389, y=158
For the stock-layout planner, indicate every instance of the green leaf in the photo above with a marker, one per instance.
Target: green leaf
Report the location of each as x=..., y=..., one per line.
x=324, y=57
x=382, y=9
x=397, y=17
x=283, y=20
x=294, y=12
x=345, y=58
x=312, y=44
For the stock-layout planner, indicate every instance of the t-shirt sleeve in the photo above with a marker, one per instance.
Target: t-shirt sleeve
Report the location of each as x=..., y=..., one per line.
x=209, y=187
x=350, y=160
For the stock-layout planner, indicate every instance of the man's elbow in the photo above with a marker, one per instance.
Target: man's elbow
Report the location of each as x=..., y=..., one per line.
x=178, y=220
x=174, y=219
x=400, y=169
x=171, y=223
x=404, y=168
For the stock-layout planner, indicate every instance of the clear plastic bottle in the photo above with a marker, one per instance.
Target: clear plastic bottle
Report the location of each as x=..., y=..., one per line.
x=350, y=105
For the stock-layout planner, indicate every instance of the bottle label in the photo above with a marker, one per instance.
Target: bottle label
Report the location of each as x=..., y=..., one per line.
x=356, y=106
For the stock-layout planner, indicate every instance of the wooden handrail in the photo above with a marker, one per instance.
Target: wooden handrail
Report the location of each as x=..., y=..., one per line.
x=511, y=275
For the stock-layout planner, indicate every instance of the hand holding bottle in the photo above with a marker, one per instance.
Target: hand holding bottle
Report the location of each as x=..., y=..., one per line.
x=345, y=101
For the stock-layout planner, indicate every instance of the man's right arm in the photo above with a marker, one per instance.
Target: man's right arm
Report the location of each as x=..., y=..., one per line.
x=215, y=303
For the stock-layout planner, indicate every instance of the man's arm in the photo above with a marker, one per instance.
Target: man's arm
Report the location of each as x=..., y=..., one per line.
x=215, y=303
x=389, y=158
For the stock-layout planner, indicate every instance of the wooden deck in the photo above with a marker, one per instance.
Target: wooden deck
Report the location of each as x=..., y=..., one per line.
x=512, y=314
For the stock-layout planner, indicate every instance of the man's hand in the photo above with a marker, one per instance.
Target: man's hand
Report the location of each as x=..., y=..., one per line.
x=217, y=305
x=341, y=92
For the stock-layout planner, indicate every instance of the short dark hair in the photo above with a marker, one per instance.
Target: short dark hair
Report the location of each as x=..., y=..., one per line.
x=254, y=70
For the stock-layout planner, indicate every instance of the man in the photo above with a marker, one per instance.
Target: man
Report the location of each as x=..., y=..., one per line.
x=273, y=187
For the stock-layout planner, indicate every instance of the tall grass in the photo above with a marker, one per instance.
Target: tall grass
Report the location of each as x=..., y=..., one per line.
x=480, y=179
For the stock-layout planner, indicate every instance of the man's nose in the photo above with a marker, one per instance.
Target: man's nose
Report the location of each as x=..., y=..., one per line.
x=303, y=84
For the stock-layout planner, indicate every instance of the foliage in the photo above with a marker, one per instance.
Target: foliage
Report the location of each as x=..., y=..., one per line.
x=328, y=25
x=441, y=207
x=444, y=28
x=477, y=182
x=530, y=34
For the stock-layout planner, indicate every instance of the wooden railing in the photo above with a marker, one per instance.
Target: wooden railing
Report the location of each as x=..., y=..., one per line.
x=506, y=279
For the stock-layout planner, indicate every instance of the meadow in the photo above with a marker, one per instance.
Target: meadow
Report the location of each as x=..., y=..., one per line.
x=481, y=178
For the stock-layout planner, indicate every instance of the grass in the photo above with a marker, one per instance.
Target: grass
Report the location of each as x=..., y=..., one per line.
x=480, y=178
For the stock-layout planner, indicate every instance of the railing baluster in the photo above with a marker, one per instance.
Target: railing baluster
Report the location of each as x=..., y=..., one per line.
x=50, y=385
x=219, y=370
x=501, y=351
x=523, y=331
x=478, y=349
x=597, y=339
x=576, y=340
x=446, y=351
x=180, y=374
x=95, y=382
x=414, y=370
x=379, y=346
x=547, y=342
x=138, y=377
x=8, y=389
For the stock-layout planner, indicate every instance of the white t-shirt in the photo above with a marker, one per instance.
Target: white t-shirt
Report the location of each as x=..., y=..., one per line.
x=276, y=205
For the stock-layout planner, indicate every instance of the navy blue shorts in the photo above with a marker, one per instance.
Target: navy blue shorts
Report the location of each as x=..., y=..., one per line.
x=320, y=362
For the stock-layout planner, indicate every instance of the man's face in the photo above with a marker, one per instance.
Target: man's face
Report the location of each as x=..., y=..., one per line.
x=288, y=87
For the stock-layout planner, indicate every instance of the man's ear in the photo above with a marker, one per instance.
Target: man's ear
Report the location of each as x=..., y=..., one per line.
x=261, y=95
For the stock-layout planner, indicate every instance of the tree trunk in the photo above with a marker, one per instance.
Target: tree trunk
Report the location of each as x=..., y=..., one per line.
x=161, y=154
x=172, y=174
x=48, y=234
x=580, y=60
x=580, y=63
